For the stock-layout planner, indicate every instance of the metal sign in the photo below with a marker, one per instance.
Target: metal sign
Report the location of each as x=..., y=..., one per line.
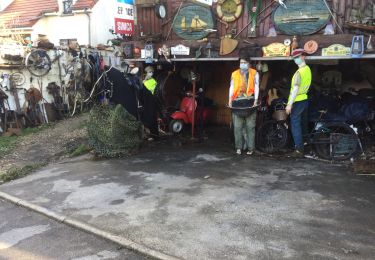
x=276, y=50
x=193, y=22
x=336, y=50
x=301, y=17
x=180, y=50
x=124, y=17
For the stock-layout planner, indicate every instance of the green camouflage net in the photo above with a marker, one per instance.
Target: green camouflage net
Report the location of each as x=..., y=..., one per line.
x=113, y=132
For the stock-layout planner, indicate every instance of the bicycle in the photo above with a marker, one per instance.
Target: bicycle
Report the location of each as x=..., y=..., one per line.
x=329, y=139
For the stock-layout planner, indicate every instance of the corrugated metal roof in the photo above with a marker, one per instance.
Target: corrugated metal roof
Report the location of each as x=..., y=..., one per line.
x=25, y=13
x=82, y=4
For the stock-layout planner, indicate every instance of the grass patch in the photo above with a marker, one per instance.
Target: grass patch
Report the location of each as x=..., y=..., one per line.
x=7, y=144
x=81, y=149
x=19, y=172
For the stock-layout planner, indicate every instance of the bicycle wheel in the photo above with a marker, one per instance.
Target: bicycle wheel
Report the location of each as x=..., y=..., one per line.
x=335, y=141
x=272, y=136
x=38, y=62
x=17, y=78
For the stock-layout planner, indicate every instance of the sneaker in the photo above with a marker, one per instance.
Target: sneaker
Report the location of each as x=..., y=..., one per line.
x=250, y=152
x=238, y=151
x=297, y=154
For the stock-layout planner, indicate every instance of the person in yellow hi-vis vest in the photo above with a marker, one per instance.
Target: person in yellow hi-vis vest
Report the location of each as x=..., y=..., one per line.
x=149, y=82
x=297, y=105
x=150, y=103
x=244, y=83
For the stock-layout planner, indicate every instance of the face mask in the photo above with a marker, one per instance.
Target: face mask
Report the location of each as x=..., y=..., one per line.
x=244, y=66
x=298, y=61
x=149, y=75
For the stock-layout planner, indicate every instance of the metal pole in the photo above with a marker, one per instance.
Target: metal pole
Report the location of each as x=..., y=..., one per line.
x=193, y=78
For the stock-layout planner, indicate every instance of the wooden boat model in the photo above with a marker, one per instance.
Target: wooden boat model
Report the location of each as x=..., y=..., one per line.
x=361, y=26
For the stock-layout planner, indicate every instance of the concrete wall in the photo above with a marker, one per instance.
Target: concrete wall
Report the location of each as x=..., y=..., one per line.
x=76, y=25
x=63, y=27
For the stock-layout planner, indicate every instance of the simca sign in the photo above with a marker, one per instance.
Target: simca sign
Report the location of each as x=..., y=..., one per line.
x=276, y=50
x=336, y=50
x=124, y=17
x=180, y=50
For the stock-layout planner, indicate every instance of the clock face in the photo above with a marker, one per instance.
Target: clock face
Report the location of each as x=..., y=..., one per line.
x=161, y=11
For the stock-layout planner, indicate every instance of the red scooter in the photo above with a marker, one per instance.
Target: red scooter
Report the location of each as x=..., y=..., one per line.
x=184, y=115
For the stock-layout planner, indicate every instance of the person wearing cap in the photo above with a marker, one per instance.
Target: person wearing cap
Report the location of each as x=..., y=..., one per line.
x=244, y=83
x=297, y=105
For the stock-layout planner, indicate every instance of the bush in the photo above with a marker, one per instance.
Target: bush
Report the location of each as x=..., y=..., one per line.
x=113, y=132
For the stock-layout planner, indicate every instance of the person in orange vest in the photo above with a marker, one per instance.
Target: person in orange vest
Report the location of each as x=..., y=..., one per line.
x=298, y=101
x=244, y=84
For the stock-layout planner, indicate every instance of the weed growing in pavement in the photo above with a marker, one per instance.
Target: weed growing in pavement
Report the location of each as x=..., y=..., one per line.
x=81, y=149
x=18, y=172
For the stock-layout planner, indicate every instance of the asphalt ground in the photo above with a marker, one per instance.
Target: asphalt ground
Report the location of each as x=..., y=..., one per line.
x=202, y=201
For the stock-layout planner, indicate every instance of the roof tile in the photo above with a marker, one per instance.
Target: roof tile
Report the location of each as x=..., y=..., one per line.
x=82, y=4
x=21, y=13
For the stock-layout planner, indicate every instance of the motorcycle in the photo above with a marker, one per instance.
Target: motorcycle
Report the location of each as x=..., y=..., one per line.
x=184, y=116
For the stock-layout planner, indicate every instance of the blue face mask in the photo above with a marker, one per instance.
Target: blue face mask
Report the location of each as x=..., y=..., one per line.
x=244, y=66
x=298, y=61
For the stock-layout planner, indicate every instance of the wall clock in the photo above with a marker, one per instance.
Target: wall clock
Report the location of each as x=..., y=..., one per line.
x=161, y=11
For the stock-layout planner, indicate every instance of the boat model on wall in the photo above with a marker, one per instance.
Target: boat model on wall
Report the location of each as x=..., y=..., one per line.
x=302, y=18
x=196, y=25
x=193, y=22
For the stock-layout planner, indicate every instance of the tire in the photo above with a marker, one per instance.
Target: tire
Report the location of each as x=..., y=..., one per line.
x=272, y=136
x=176, y=126
x=335, y=141
x=38, y=62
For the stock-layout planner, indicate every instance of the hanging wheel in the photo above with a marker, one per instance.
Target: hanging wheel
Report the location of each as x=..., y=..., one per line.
x=38, y=62
x=17, y=78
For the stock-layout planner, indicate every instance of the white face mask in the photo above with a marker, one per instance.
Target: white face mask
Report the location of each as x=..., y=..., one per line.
x=244, y=66
x=149, y=75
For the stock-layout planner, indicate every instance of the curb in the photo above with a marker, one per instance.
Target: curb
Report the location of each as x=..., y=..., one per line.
x=89, y=229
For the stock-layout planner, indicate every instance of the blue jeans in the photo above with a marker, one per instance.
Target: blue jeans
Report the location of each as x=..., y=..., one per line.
x=244, y=130
x=298, y=120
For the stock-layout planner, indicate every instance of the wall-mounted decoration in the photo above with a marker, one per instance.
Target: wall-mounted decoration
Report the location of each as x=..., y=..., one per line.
x=180, y=50
x=276, y=50
x=310, y=47
x=161, y=11
x=128, y=50
x=206, y=2
x=301, y=17
x=336, y=50
x=124, y=17
x=193, y=22
x=229, y=10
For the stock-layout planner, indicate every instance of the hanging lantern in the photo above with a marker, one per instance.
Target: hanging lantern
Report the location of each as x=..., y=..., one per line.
x=149, y=53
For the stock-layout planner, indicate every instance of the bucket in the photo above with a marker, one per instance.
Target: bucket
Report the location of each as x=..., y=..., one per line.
x=280, y=113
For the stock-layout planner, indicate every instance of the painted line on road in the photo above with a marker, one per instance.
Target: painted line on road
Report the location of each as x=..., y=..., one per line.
x=88, y=228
